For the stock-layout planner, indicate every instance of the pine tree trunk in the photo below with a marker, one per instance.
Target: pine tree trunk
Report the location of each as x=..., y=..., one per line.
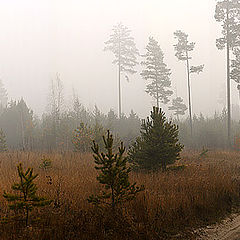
x=119, y=80
x=157, y=92
x=164, y=166
x=27, y=216
x=189, y=95
x=119, y=91
x=113, y=198
x=23, y=132
x=228, y=80
x=157, y=101
x=239, y=96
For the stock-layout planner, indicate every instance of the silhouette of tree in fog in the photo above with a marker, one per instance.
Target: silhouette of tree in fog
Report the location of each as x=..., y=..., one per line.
x=3, y=96
x=178, y=106
x=228, y=13
x=183, y=49
x=235, y=69
x=156, y=73
x=18, y=125
x=3, y=142
x=122, y=45
x=56, y=101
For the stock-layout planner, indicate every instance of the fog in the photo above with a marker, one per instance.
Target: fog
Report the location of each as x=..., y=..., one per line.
x=41, y=38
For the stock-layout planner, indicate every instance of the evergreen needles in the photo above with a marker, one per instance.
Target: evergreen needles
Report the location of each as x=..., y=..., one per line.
x=114, y=175
x=25, y=199
x=158, y=144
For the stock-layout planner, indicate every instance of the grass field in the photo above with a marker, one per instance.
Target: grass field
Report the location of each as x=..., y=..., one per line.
x=172, y=204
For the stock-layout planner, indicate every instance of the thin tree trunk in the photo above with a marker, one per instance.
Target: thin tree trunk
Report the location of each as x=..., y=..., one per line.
x=27, y=216
x=119, y=80
x=113, y=198
x=189, y=96
x=157, y=91
x=228, y=81
x=119, y=91
x=239, y=98
x=23, y=133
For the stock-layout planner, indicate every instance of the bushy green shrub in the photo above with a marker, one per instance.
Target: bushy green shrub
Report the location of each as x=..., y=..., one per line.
x=158, y=144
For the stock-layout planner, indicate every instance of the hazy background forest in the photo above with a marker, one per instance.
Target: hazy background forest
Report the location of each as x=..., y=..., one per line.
x=55, y=74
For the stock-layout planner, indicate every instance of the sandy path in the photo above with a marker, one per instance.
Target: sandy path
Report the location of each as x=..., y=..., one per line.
x=229, y=229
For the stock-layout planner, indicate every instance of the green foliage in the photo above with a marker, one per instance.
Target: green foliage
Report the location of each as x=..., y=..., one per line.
x=176, y=168
x=158, y=144
x=46, y=164
x=114, y=175
x=3, y=144
x=25, y=199
x=203, y=153
x=84, y=136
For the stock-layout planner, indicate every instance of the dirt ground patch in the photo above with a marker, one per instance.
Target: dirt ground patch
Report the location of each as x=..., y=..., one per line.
x=228, y=229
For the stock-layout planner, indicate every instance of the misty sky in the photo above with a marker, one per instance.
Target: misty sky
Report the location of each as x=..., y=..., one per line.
x=40, y=38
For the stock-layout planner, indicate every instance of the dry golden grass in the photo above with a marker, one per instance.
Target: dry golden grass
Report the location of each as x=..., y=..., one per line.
x=172, y=202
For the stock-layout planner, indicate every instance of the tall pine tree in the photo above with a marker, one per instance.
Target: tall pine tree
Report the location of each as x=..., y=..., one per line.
x=122, y=45
x=183, y=49
x=156, y=73
x=3, y=96
x=227, y=12
x=235, y=69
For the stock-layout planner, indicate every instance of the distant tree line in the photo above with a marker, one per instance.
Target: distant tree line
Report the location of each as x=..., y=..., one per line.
x=74, y=127
x=59, y=128
x=62, y=129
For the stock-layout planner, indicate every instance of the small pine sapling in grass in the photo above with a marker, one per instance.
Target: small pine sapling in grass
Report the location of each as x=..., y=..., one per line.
x=25, y=199
x=45, y=164
x=203, y=153
x=114, y=175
